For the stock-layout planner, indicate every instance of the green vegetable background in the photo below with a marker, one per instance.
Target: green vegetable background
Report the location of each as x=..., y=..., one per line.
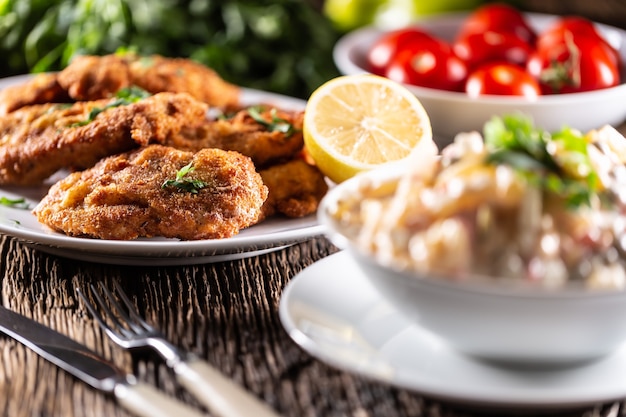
x=283, y=46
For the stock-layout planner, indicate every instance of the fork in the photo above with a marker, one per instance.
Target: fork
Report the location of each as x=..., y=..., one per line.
x=220, y=395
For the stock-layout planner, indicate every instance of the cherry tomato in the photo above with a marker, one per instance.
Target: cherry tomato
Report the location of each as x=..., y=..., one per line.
x=428, y=64
x=479, y=48
x=576, y=27
x=578, y=64
x=498, y=18
x=389, y=44
x=502, y=79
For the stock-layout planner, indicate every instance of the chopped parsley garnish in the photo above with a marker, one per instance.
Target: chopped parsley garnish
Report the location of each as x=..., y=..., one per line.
x=556, y=162
x=183, y=183
x=277, y=124
x=123, y=97
x=20, y=203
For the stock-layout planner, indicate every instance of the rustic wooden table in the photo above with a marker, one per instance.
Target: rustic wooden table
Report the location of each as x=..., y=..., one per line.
x=227, y=313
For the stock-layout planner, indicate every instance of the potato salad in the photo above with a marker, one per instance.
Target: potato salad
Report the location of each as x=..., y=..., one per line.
x=513, y=203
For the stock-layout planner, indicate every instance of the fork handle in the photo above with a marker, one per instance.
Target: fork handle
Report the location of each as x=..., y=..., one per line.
x=220, y=395
x=146, y=401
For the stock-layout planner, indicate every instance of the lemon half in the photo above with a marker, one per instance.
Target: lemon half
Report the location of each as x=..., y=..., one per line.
x=355, y=123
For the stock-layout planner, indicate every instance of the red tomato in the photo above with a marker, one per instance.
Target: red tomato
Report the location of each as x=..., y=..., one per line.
x=578, y=64
x=502, y=79
x=428, y=64
x=479, y=48
x=576, y=27
x=389, y=44
x=498, y=18
x=574, y=24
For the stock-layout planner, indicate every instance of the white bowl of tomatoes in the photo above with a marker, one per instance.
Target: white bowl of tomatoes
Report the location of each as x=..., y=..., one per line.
x=467, y=67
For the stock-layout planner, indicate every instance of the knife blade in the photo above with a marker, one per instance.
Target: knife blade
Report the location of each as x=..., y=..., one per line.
x=137, y=397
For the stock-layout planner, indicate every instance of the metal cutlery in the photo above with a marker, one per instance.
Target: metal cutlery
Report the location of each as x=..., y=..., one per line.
x=137, y=397
x=220, y=395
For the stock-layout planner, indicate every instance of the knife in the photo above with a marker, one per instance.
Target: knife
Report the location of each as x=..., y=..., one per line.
x=137, y=397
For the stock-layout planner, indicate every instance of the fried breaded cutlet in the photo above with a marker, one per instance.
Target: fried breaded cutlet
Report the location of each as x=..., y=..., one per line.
x=91, y=77
x=41, y=89
x=265, y=134
x=273, y=139
x=156, y=73
x=37, y=141
x=295, y=188
x=157, y=191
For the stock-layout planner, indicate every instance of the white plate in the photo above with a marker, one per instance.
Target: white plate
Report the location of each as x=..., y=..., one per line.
x=270, y=235
x=332, y=312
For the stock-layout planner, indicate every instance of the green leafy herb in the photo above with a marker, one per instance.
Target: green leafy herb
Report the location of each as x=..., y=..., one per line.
x=557, y=162
x=183, y=183
x=277, y=124
x=123, y=97
x=14, y=202
x=130, y=95
x=283, y=46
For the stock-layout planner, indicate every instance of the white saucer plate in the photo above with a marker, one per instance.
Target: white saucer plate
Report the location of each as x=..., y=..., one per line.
x=267, y=236
x=332, y=312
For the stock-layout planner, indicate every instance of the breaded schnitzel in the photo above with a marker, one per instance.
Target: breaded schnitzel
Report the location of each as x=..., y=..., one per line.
x=156, y=73
x=36, y=141
x=295, y=188
x=41, y=89
x=91, y=77
x=273, y=139
x=157, y=191
x=265, y=134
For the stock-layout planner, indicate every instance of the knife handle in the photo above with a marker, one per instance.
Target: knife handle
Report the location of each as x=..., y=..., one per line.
x=146, y=401
x=220, y=395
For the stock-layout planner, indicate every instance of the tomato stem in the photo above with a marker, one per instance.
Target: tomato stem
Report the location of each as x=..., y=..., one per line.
x=566, y=73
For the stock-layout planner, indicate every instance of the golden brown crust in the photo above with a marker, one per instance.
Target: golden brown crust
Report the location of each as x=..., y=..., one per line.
x=41, y=89
x=123, y=150
x=37, y=141
x=92, y=77
x=295, y=188
x=156, y=73
x=122, y=197
x=244, y=134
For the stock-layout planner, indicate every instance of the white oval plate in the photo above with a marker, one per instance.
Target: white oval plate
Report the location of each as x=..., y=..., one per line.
x=272, y=234
x=331, y=310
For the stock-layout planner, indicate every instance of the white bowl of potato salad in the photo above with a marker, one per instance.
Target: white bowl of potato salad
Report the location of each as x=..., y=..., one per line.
x=508, y=244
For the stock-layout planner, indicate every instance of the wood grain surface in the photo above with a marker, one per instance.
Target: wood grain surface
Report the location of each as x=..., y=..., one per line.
x=227, y=313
